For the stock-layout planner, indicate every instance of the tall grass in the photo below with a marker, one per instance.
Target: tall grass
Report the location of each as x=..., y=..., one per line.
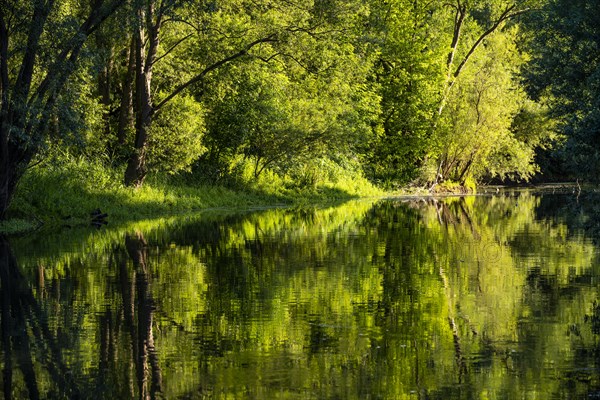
x=65, y=191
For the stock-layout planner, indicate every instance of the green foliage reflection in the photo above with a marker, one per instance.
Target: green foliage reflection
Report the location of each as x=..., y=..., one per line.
x=479, y=297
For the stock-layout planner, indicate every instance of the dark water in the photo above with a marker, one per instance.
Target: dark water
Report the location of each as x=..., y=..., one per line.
x=463, y=298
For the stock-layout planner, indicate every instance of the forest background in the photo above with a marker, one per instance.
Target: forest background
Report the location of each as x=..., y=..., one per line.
x=150, y=106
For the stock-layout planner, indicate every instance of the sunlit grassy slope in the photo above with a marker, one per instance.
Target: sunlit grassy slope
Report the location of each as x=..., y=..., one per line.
x=66, y=194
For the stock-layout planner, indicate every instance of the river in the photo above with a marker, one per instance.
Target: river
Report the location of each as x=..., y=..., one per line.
x=480, y=297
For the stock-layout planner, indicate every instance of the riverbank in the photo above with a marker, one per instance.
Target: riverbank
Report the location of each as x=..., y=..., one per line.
x=68, y=195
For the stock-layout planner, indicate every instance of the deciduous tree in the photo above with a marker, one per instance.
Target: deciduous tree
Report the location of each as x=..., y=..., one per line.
x=564, y=72
x=40, y=44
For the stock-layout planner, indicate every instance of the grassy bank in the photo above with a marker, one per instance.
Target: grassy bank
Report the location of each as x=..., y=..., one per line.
x=65, y=194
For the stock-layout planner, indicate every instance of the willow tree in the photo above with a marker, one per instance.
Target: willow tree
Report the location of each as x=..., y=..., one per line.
x=475, y=26
x=480, y=136
x=426, y=49
x=40, y=44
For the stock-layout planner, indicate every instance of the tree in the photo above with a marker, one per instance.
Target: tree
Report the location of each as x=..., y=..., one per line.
x=476, y=131
x=564, y=72
x=277, y=114
x=475, y=23
x=39, y=49
x=221, y=34
x=426, y=48
x=409, y=76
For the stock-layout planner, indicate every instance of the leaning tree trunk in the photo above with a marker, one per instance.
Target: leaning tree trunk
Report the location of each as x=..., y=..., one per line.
x=26, y=103
x=13, y=163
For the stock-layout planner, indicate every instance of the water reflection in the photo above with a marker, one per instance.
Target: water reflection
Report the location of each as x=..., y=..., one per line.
x=25, y=335
x=133, y=362
x=456, y=298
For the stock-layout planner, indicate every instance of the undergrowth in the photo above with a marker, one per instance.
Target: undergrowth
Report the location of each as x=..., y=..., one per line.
x=67, y=192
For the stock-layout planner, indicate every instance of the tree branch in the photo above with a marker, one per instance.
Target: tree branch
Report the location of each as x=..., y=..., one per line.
x=269, y=58
x=153, y=28
x=97, y=16
x=506, y=15
x=173, y=48
x=503, y=17
x=458, y=22
x=212, y=67
x=38, y=21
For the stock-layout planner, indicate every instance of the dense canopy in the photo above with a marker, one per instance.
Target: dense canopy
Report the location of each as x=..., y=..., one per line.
x=398, y=92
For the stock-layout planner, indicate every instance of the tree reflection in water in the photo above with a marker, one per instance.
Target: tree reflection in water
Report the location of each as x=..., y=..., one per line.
x=451, y=299
x=149, y=374
x=140, y=373
x=24, y=319
x=22, y=314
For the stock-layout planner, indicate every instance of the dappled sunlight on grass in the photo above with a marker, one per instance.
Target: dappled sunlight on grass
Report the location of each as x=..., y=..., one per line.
x=65, y=195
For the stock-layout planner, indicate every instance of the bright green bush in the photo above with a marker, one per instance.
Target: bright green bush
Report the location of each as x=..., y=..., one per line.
x=176, y=136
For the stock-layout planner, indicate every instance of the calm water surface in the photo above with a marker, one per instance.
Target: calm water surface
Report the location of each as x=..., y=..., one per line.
x=487, y=297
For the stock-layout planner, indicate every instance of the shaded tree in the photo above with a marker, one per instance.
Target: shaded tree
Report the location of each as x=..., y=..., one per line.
x=564, y=72
x=39, y=49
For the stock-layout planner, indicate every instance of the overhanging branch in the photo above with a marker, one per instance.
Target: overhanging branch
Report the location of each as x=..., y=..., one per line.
x=505, y=16
x=199, y=77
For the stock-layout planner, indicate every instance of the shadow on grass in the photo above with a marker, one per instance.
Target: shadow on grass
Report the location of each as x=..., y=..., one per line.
x=62, y=200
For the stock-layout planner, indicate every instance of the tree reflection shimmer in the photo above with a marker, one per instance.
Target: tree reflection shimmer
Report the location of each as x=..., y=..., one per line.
x=460, y=298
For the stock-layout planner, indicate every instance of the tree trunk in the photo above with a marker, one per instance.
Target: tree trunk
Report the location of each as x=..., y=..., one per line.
x=147, y=37
x=8, y=183
x=136, y=165
x=13, y=163
x=126, y=107
x=105, y=81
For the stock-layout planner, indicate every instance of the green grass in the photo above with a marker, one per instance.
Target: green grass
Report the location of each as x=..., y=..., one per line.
x=65, y=194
